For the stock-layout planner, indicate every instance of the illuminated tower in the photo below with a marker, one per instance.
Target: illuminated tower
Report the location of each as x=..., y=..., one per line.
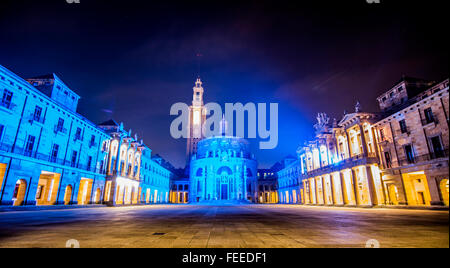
x=197, y=117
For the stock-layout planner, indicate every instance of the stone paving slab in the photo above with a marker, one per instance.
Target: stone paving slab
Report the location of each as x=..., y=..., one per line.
x=254, y=226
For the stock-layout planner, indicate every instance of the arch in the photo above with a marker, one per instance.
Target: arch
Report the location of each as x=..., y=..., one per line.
x=19, y=192
x=249, y=172
x=443, y=187
x=199, y=172
x=224, y=169
x=68, y=195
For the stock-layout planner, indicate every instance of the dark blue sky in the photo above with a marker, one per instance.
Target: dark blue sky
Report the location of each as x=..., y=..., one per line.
x=137, y=58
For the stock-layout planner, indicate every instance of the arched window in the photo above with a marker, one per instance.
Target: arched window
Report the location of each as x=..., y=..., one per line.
x=249, y=173
x=224, y=169
x=199, y=172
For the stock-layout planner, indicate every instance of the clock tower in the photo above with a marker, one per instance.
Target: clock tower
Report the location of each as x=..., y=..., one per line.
x=197, y=117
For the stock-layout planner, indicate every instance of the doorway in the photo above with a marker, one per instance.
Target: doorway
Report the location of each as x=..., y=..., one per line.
x=224, y=192
x=68, y=195
x=19, y=192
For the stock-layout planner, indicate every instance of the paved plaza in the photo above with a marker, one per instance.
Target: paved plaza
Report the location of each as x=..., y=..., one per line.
x=232, y=226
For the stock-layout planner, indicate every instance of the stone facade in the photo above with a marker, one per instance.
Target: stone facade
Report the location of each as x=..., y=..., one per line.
x=289, y=187
x=414, y=141
x=51, y=155
x=396, y=157
x=223, y=169
x=267, y=186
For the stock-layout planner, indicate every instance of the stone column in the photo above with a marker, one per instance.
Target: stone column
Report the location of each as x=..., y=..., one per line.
x=349, y=147
x=371, y=185
x=343, y=192
x=375, y=145
x=313, y=191
x=363, y=139
x=355, y=185
x=322, y=180
x=433, y=187
x=333, y=201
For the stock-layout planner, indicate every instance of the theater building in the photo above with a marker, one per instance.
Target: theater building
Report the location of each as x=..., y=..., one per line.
x=414, y=139
x=49, y=154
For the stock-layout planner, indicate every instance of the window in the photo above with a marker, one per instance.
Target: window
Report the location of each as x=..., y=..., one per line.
x=2, y=127
x=74, y=158
x=7, y=99
x=383, y=99
x=436, y=145
x=429, y=117
x=60, y=125
x=92, y=142
x=400, y=89
x=101, y=166
x=387, y=156
x=78, y=134
x=37, y=113
x=409, y=154
x=54, y=154
x=391, y=94
x=29, y=145
x=403, y=127
x=89, y=163
x=382, y=138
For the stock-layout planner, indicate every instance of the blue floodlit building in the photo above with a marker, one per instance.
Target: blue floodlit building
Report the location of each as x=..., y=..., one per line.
x=220, y=167
x=223, y=169
x=51, y=155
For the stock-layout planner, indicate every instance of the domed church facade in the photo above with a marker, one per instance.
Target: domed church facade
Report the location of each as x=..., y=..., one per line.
x=222, y=169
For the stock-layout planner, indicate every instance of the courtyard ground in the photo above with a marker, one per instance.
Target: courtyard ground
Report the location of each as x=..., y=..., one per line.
x=232, y=226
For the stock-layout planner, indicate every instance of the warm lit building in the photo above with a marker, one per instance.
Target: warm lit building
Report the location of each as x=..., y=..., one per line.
x=414, y=140
x=179, y=191
x=49, y=154
x=267, y=186
x=397, y=157
x=341, y=167
x=133, y=175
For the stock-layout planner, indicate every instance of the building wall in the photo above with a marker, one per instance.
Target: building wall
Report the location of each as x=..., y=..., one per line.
x=290, y=191
x=400, y=158
x=36, y=151
x=414, y=150
x=206, y=177
x=154, y=181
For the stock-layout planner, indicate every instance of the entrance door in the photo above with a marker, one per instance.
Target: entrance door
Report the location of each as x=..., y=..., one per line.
x=224, y=192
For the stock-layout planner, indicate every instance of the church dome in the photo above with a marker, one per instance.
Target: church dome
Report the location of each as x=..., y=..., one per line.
x=236, y=146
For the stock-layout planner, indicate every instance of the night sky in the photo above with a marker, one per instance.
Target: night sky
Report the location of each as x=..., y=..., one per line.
x=131, y=60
